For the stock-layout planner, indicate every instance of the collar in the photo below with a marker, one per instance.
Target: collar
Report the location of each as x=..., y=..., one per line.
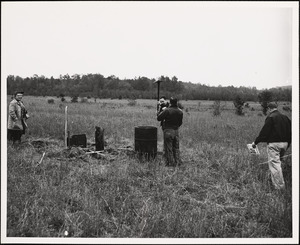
x=272, y=112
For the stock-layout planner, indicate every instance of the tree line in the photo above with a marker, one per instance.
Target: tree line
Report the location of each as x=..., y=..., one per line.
x=98, y=86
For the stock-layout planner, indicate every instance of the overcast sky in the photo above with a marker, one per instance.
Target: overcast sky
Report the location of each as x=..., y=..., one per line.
x=239, y=44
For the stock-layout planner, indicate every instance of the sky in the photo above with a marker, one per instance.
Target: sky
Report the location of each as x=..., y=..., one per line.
x=212, y=43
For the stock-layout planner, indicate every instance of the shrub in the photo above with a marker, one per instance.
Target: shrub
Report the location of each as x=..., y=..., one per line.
x=198, y=106
x=264, y=97
x=83, y=100
x=287, y=108
x=63, y=99
x=217, y=108
x=180, y=106
x=238, y=103
x=50, y=101
x=131, y=102
x=74, y=99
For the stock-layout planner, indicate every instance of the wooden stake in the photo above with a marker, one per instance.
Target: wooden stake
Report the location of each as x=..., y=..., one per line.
x=69, y=139
x=99, y=138
x=66, y=127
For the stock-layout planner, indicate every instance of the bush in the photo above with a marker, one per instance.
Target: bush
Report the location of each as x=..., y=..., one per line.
x=83, y=100
x=50, y=101
x=238, y=103
x=74, y=99
x=287, y=108
x=217, y=108
x=131, y=102
x=264, y=97
x=180, y=106
x=198, y=106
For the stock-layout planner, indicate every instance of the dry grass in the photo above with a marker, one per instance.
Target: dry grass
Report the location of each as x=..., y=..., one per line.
x=220, y=191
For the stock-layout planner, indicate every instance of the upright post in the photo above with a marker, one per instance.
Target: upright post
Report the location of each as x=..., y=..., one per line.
x=99, y=138
x=158, y=87
x=66, y=127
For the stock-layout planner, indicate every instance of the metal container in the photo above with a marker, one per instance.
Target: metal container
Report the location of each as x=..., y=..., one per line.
x=145, y=141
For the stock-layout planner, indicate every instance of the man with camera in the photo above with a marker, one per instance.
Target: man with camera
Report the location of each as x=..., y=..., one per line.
x=171, y=118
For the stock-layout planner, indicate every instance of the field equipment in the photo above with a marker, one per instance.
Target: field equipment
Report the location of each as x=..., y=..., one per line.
x=77, y=140
x=145, y=141
x=158, y=87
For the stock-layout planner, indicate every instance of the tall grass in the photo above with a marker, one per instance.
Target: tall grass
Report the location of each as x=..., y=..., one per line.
x=220, y=191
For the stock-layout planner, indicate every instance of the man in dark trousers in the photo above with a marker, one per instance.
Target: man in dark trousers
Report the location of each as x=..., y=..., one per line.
x=277, y=133
x=172, y=117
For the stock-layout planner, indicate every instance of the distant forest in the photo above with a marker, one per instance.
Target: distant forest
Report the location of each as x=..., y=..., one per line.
x=98, y=86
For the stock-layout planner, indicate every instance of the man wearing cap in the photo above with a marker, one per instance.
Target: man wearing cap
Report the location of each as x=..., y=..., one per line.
x=277, y=133
x=17, y=114
x=172, y=117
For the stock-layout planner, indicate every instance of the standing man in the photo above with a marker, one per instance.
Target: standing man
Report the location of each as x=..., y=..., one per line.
x=172, y=118
x=162, y=105
x=17, y=114
x=277, y=133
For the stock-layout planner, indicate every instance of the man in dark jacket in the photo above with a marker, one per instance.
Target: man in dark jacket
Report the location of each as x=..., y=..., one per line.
x=277, y=133
x=162, y=105
x=172, y=117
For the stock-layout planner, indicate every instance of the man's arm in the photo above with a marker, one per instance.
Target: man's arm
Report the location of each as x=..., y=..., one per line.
x=162, y=115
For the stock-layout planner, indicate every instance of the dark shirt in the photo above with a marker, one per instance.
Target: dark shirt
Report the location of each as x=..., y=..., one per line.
x=161, y=108
x=277, y=128
x=172, y=117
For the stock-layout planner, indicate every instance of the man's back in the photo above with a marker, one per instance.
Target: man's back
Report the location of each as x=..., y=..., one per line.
x=172, y=117
x=281, y=127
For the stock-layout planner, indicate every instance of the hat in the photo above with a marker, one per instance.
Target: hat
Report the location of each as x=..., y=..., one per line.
x=18, y=92
x=272, y=105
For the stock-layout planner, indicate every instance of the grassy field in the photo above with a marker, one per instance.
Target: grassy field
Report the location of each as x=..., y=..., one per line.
x=221, y=191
